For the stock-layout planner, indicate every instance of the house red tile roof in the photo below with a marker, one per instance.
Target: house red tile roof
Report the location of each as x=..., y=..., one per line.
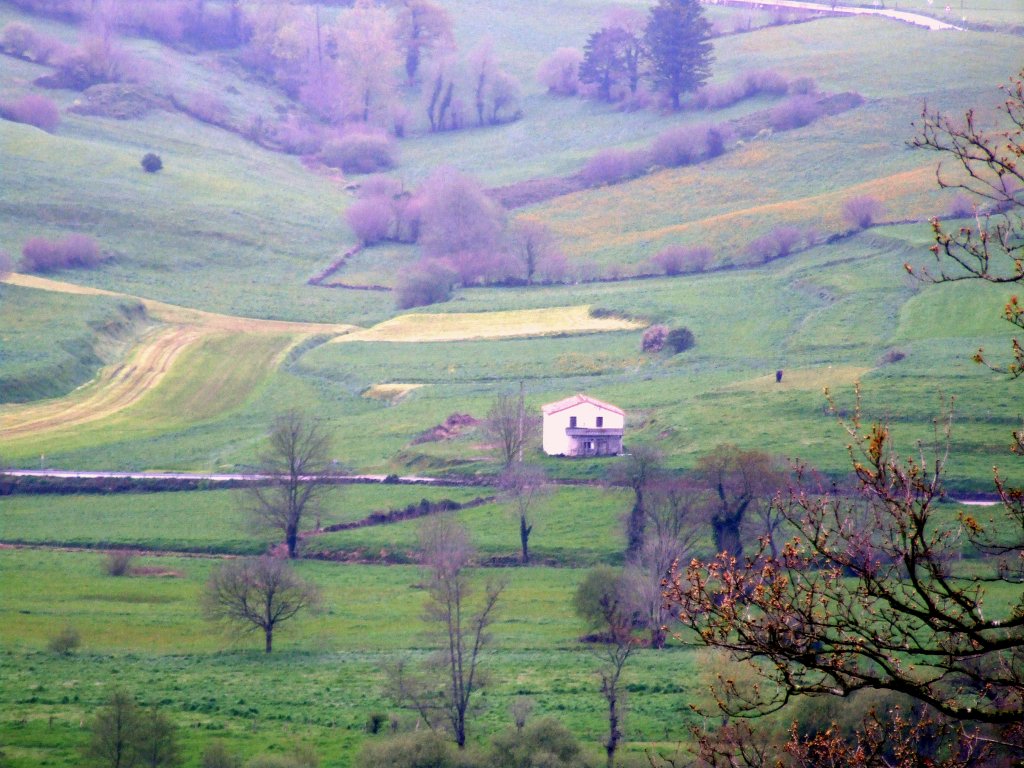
x=577, y=399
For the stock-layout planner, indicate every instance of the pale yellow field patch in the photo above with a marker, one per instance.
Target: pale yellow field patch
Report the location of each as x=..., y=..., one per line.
x=390, y=392
x=831, y=376
x=469, y=326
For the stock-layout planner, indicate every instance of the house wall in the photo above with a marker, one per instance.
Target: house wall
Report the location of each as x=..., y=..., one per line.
x=556, y=442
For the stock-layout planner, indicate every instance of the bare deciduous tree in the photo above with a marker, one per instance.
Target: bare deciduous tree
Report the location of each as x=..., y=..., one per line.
x=423, y=26
x=292, y=477
x=740, y=482
x=112, y=733
x=641, y=467
x=602, y=600
x=510, y=427
x=535, y=248
x=157, y=745
x=257, y=594
x=444, y=691
x=673, y=512
x=522, y=484
x=988, y=167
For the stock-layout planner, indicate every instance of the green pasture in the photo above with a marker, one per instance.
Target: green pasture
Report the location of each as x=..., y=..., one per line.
x=145, y=634
x=82, y=333
x=828, y=317
x=195, y=521
x=572, y=525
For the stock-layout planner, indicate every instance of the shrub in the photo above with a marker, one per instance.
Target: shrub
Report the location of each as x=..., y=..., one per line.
x=164, y=21
x=419, y=749
x=777, y=244
x=32, y=109
x=217, y=755
x=298, y=137
x=97, y=60
x=119, y=562
x=794, y=112
x=961, y=207
x=893, y=355
x=803, y=86
x=653, y=339
x=559, y=73
x=682, y=145
x=765, y=81
x=208, y=108
x=359, y=153
x=41, y=255
x=545, y=743
x=65, y=641
x=680, y=340
x=457, y=215
x=429, y=282
x=151, y=162
x=22, y=41
x=370, y=219
x=613, y=165
x=681, y=259
x=862, y=211
x=379, y=185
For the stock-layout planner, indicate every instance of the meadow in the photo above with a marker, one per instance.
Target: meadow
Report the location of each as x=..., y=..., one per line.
x=200, y=326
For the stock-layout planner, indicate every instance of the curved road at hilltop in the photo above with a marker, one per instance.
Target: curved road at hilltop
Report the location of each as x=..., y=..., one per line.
x=848, y=10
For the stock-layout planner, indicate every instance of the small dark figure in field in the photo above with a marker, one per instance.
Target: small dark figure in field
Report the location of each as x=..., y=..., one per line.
x=778, y=376
x=151, y=163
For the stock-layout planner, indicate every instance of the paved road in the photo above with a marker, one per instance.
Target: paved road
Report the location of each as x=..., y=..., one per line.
x=889, y=13
x=216, y=477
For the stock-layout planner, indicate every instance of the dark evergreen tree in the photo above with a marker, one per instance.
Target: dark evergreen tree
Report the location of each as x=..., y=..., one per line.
x=604, y=63
x=678, y=45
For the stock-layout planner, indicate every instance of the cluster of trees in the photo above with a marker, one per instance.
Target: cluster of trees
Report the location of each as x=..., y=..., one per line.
x=668, y=49
x=350, y=69
x=464, y=236
x=346, y=67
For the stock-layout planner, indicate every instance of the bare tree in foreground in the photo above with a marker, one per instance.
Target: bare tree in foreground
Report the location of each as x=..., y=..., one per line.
x=867, y=596
x=444, y=693
x=989, y=165
x=293, y=477
x=257, y=594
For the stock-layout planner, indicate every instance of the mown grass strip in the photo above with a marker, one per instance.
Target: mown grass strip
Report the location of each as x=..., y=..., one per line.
x=466, y=326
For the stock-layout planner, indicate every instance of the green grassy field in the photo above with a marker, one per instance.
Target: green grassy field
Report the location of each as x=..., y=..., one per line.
x=230, y=228
x=145, y=634
x=82, y=332
x=207, y=521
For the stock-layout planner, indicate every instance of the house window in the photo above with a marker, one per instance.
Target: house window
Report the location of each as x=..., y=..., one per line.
x=572, y=422
x=600, y=421
x=588, y=446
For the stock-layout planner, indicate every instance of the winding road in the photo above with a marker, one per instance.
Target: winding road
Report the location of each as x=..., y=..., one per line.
x=848, y=10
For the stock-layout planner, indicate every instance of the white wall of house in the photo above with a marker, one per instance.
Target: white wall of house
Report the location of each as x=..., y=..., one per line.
x=586, y=413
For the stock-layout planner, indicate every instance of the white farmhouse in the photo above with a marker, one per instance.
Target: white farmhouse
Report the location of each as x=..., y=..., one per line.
x=582, y=426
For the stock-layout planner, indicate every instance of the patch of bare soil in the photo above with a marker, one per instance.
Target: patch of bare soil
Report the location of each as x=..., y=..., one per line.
x=451, y=428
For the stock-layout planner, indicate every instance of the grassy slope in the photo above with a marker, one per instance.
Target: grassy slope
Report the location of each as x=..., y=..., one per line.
x=82, y=333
